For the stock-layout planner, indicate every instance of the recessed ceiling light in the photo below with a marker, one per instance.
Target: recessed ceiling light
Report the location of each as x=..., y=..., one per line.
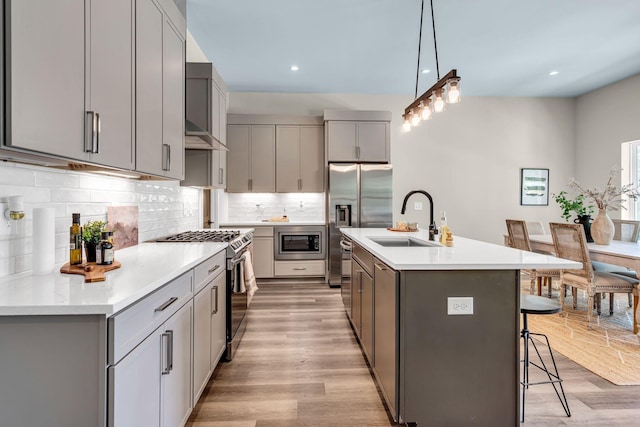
x=294, y=68
x=553, y=73
x=426, y=71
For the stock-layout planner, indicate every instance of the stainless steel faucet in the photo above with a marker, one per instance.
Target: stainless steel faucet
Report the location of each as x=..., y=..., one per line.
x=432, y=224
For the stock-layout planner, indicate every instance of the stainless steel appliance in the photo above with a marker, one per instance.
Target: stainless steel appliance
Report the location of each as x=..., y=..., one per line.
x=239, y=243
x=359, y=196
x=299, y=242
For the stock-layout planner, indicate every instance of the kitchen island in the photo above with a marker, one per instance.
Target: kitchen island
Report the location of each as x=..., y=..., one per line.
x=440, y=325
x=91, y=354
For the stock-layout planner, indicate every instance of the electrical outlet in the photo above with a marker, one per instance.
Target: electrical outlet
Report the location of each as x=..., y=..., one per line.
x=417, y=206
x=301, y=207
x=459, y=305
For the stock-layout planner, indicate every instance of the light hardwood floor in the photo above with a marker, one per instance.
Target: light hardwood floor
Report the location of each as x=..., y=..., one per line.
x=299, y=364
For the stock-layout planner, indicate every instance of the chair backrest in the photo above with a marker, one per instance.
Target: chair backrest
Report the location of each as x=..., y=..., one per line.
x=626, y=230
x=571, y=243
x=535, y=227
x=518, y=234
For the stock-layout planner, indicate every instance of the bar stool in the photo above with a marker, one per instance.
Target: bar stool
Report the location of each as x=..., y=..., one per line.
x=531, y=304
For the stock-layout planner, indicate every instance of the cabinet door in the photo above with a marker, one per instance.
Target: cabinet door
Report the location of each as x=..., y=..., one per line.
x=356, y=295
x=222, y=169
x=385, y=332
x=215, y=111
x=201, y=340
x=222, y=103
x=342, y=141
x=312, y=159
x=134, y=386
x=110, y=81
x=149, y=68
x=239, y=140
x=176, y=385
x=218, y=297
x=288, y=159
x=173, y=64
x=263, y=257
x=373, y=142
x=46, y=68
x=366, y=316
x=263, y=159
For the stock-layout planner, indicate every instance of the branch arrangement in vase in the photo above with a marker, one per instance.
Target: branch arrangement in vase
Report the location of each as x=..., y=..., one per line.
x=611, y=197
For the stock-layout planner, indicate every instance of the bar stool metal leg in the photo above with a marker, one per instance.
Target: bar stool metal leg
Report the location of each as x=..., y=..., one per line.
x=553, y=376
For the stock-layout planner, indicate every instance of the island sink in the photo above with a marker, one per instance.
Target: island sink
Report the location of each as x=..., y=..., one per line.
x=399, y=242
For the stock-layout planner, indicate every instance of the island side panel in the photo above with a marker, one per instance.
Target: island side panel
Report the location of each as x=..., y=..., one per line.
x=459, y=369
x=53, y=370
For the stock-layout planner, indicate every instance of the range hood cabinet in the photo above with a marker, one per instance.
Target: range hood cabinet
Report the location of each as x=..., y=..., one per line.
x=199, y=139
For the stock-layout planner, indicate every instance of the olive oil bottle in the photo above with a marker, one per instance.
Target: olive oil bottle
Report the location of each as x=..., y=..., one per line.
x=75, y=241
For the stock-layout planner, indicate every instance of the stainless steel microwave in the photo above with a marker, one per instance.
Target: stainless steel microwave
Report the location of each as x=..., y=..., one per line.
x=299, y=242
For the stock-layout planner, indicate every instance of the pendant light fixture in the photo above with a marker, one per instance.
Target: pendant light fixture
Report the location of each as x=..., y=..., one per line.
x=445, y=91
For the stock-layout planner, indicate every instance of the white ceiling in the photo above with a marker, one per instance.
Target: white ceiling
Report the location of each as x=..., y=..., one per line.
x=499, y=47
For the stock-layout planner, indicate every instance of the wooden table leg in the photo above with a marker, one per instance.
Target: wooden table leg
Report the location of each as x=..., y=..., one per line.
x=635, y=313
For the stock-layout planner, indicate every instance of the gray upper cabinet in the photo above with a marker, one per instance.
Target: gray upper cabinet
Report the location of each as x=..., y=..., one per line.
x=251, y=158
x=299, y=159
x=160, y=53
x=85, y=67
x=358, y=141
x=206, y=102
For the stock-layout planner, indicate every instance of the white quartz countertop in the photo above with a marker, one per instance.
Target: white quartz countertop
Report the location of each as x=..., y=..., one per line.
x=466, y=254
x=145, y=268
x=268, y=223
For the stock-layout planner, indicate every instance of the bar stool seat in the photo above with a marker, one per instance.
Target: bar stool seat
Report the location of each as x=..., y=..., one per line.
x=531, y=304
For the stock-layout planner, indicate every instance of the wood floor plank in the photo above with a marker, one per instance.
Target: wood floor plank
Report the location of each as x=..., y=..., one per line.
x=300, y=365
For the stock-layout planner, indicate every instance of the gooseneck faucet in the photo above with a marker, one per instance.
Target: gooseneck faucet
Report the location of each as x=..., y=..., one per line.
x=432, y=224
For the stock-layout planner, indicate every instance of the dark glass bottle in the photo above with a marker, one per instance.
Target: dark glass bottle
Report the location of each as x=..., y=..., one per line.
x=75, y=241
x=104, y=250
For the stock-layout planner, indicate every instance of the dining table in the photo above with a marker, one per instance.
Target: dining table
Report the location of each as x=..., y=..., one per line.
x=625, y=254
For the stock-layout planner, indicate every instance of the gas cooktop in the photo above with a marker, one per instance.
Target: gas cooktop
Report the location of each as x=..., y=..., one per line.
x=202, y=236
x=237, y=240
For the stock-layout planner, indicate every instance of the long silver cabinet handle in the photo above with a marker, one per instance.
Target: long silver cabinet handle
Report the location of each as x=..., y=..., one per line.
x=166, y=304
x=357, y=152
x=380, y=266
x=166, y=157
x=164, y=343
x=91, y=132
x=170, y=350
x=214, y=268
x=220, y=175
x=250, y=184
x=98, y=130
x=214, y=303
x=300, y=268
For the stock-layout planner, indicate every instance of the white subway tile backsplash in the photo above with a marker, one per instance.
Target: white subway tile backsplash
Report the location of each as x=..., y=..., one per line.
x=258, y=206
x=164, y=207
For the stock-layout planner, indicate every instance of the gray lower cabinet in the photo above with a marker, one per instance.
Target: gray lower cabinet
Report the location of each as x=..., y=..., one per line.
x=385, y=324
x=362, y=294
x=160, y=71
x=71, y=96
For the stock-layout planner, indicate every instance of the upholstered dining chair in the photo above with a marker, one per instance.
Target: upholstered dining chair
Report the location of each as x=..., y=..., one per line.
x=519, y=238
x=570, y=243
x=625, y=231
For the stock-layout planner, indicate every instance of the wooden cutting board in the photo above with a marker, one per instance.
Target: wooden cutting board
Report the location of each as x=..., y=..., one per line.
x=92, y=272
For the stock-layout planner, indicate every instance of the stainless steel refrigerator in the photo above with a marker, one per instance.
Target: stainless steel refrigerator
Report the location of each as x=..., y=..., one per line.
x=359, y=196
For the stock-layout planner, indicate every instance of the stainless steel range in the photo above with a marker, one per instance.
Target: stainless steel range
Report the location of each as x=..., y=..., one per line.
x=239, y=243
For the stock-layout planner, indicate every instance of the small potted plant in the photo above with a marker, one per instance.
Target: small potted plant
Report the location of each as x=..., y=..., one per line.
x=91, y=235
x=577, y=206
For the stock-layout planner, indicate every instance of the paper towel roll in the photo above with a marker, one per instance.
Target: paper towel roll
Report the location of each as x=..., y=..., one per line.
x=44, y=240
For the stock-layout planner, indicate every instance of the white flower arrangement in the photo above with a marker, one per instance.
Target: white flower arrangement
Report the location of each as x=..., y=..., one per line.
x=610, y=198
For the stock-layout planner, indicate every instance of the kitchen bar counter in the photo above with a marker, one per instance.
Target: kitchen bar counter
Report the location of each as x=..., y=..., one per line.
x=145, y=268
x=466, y=254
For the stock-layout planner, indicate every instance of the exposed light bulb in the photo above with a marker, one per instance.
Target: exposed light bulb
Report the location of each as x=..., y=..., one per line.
x=415, y=119
x=438, y=103
x=453, y=93
x=425, y=113
x=406, y=124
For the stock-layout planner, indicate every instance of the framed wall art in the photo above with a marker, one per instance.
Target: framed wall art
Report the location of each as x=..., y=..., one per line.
x=534, y=187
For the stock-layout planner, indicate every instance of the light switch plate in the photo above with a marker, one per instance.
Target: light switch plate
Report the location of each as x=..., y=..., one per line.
x=459, y=305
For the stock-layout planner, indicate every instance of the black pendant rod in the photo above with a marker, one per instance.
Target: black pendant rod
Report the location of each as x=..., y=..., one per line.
x=419, y=46
x=435, y=44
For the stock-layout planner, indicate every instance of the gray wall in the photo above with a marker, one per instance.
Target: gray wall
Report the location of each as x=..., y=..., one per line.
x=468, y=158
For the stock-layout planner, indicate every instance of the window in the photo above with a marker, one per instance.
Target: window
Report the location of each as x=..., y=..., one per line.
x=630, y=175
